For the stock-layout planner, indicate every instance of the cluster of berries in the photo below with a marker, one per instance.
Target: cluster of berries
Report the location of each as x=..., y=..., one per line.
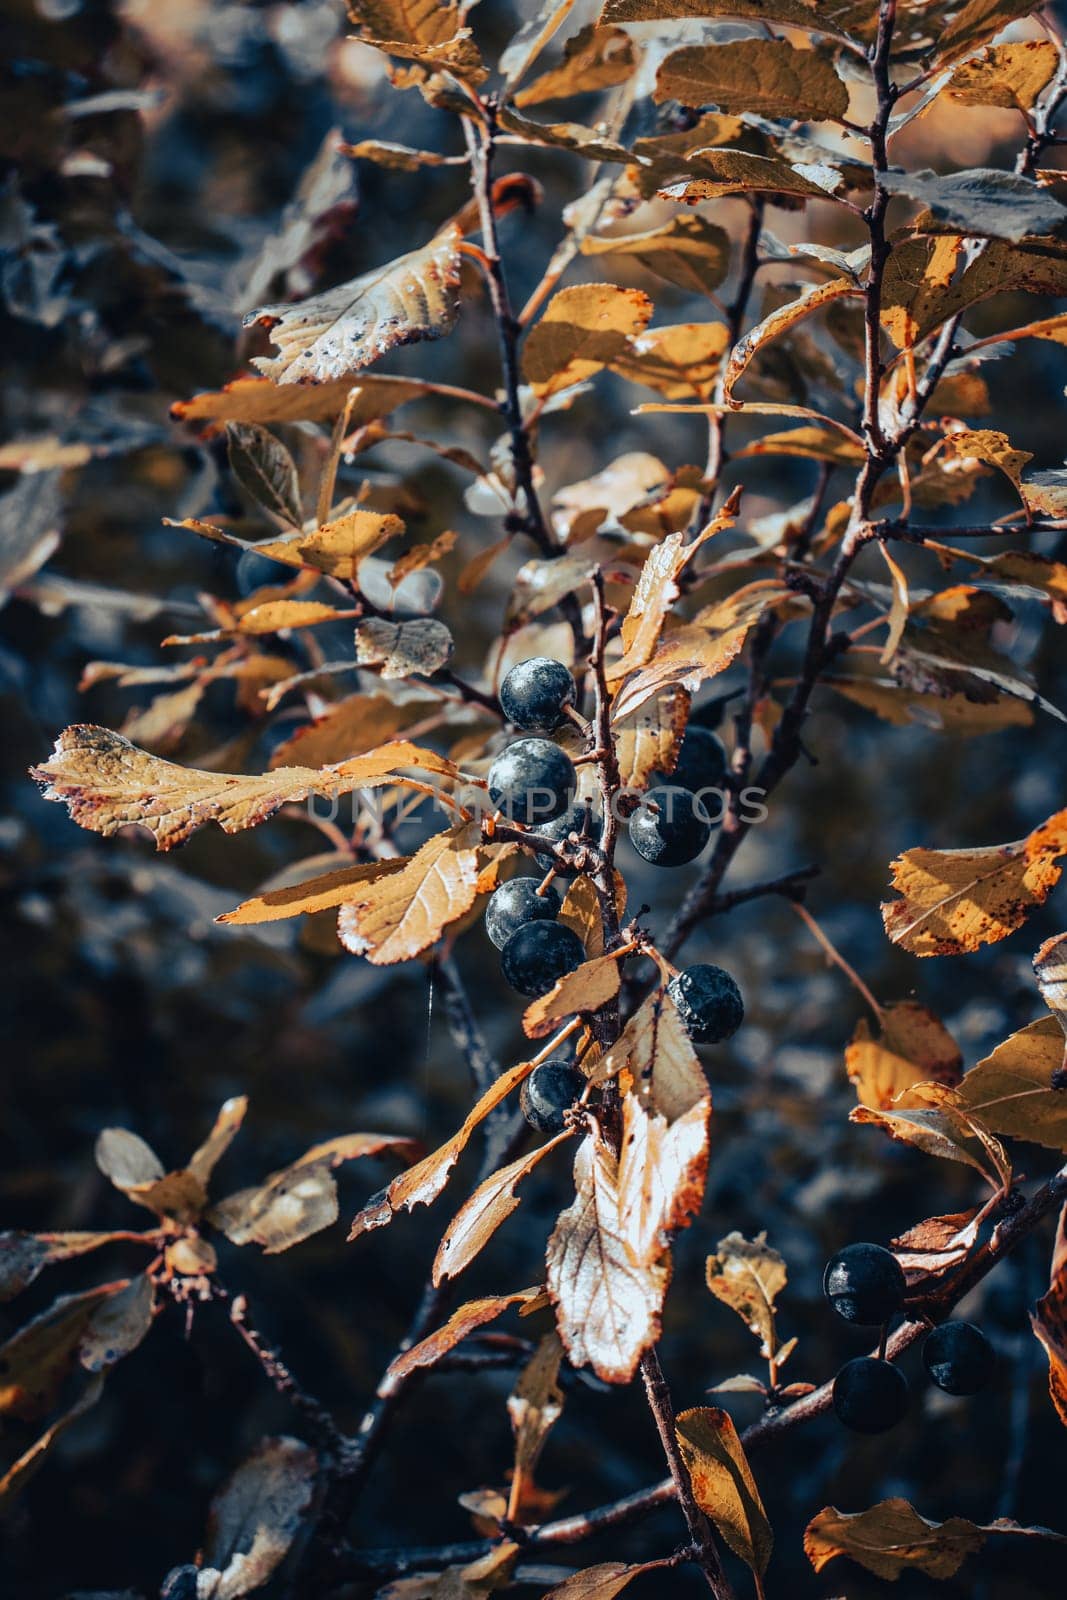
x=865, y=1285
x=533, y=782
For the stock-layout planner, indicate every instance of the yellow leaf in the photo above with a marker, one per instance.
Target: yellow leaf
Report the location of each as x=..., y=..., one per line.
x=399, y=914
x=429, y=33
x=337, y=333
x=995, y=449
x=649, y=739
x=581, y=911
x=763, y=77
x=726, y=172
x=954, y=901
x=422, y=1183
x=682, y=361
x=584, y=990
x=891, y=1538
x=780, y=321
x=583, y=329
x=259, y=400
x=954, y=713
x=352, y=726
x=1012, y=1089
x=594, y=58
x=748, y=1276
x=933, y=1121
x=1011, y=75
x=689, y=654
x=490, y=1205
x=913, y=1046
x=657, y=589
x=723, y=1485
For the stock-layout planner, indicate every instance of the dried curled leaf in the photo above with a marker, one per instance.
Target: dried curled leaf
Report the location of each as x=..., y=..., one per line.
x=934, y=1122
x=24, y=1256
x=255, y=1517
x=780, y=321
x=954, y=901
x=594, y=58
x=723, y=1485
x=335, y=334
x=748, y=1276
x=404, y=649
x=891, y=1538
x=107, y=783
x=1049, y=1322
x=301, y=1199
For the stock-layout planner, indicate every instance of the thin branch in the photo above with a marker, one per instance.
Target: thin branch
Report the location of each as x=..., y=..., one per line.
x=705, y=1552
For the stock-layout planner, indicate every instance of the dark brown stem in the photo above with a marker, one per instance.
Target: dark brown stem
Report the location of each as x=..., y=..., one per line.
x=660, y=1404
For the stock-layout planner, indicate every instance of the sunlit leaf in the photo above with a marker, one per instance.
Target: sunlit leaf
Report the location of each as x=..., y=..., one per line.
x=609, y=1256
x=583, y=328
x=1011, y=75
x=107, y=783
x=1012, y=1090
x=683, y=361
x=399, y=914
x=463, y=1322
x=912, y=1046
x=488, y=1207
x=594, y=58
x=954, y=901
x=764, y=76
x=748, y=1276
x=343, y=330
x=586, y=990
x=723, y=1485
x=891, y=1538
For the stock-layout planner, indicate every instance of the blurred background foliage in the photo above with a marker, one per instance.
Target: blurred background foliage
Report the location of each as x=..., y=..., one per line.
x=150, y=154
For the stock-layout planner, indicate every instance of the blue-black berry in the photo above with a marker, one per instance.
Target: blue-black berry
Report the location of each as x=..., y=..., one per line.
x=537, y=954
x=666, y=829
x=865, y=1284
x=531, y=781
x=959, y=1357
x=535, y=692
x=549, y=1091
x=709, y=1003
x=701, y=761
x=870, y=1395
x=515, y=903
